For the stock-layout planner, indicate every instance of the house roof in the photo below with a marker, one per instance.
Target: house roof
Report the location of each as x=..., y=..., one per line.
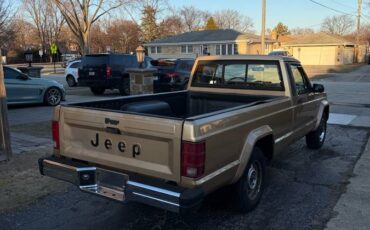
x=206, y=36
x=315, y=38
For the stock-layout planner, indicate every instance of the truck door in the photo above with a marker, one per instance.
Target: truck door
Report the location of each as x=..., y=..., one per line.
x=303, y=98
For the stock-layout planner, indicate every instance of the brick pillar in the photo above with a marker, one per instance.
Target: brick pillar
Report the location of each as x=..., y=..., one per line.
x=141, y=81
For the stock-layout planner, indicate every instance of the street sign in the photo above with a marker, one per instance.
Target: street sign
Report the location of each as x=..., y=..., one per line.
x=53, y=48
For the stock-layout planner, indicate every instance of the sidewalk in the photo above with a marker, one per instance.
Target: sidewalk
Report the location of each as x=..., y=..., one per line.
x=349, y=119
x=353, y=207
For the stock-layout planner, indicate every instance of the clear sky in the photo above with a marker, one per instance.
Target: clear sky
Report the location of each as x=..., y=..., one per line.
x=293, y=13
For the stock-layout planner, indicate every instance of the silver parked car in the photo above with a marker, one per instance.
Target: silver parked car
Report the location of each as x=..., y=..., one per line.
x=22, y=89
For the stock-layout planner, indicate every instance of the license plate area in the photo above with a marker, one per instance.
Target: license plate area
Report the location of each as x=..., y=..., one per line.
x=106, y=183
x=91, y=73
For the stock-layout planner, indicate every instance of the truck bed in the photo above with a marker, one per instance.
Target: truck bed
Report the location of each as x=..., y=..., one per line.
x=180, y=105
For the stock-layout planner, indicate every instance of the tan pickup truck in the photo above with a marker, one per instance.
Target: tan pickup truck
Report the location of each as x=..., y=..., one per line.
x=169, y=150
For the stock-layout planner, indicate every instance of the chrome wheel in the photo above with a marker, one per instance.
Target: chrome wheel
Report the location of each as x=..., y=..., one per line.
x=323, y=130
x=53, y=96
x=254, y=180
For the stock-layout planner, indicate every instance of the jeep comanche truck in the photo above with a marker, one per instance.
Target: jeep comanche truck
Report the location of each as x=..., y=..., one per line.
x=170, y=150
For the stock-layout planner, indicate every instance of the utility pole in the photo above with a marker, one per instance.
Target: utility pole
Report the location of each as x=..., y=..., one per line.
x=263, y=27
x=358, y=21
x=5, y=147
x=357, y=46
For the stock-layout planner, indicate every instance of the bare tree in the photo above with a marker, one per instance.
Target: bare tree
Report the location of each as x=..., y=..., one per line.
x=80, y=15
x=299, y=31
x=171, y=25
x=193, y=18
x=7, y=30
x=233, y=19
x=339, y=25
x=123, y=35
x=47, y=19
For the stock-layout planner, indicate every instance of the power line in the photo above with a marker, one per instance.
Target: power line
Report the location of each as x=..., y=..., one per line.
x=339, y=3
x=330, y=8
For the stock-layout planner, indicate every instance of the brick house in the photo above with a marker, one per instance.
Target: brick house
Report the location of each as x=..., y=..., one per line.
x=207, y=42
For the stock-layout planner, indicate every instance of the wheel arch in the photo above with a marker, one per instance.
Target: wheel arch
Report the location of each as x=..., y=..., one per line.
x=261, y=137
x=324, y=109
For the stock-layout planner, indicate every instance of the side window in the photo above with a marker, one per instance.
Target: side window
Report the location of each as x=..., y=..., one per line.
x=235, y=73
x=75, y=65
x=10, y=74
x=301, y=84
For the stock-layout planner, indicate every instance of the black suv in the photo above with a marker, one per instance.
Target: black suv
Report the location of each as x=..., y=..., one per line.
x=107, y=71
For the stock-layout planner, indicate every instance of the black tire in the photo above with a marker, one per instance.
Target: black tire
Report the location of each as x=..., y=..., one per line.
x=97, y=90
x=315, y=139
x=124, y=88
x=250, y=187
x=71, y=81
x=53, y=96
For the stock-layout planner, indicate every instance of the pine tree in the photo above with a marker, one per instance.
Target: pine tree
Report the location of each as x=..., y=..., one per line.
x=149, y=25
x=281, y=29
x=211, y=24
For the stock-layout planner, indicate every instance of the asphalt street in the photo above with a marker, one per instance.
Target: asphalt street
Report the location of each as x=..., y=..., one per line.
x=302, y=190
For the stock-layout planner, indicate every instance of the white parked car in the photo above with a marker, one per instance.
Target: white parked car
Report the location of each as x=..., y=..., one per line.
x=71, y=73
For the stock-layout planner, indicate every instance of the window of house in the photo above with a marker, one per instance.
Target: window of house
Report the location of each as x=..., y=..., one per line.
x=190, y=49
x=159, y=49
x=218, y=49
x=152, y=50
x=236, y=52
x=183, y=49
x=155, y=49
x=223, y=49
x=230, y=49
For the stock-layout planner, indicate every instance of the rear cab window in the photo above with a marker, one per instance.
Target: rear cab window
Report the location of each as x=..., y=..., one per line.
x=258, y=75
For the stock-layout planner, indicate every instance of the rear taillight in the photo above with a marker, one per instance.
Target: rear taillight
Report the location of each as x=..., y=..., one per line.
x=171, y=75
x=109, y=71
x=55, y=133
x=193, y=157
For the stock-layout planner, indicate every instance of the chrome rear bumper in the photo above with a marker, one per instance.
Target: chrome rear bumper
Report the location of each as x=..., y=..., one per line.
x=118, y=186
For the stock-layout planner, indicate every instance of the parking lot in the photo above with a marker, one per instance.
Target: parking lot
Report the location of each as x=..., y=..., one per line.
x=302, y=190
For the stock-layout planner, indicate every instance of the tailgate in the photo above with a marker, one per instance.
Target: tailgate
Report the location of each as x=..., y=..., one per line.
x=135, y=143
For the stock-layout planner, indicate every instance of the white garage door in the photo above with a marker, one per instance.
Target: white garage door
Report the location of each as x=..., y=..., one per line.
x=315, y=55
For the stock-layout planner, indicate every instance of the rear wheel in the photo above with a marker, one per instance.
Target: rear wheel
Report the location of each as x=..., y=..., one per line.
x=71, y=81
x=316, y=138
x=97, y=90
x=53, y=96
x=124, y=88
x=250, y=186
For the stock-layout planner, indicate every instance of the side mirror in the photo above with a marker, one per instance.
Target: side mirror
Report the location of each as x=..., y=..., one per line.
x=318, y=88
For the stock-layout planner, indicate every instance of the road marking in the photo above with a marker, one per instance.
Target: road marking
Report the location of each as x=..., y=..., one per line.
x=340, y=119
